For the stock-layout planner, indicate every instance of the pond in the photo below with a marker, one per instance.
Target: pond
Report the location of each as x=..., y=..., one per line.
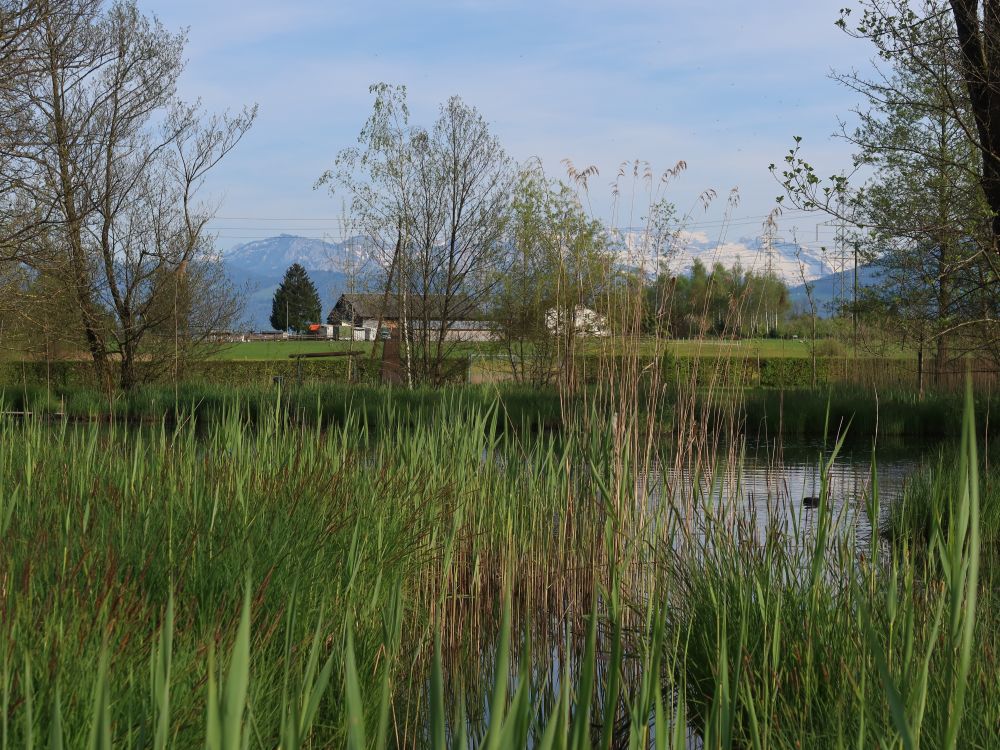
x=773, y=486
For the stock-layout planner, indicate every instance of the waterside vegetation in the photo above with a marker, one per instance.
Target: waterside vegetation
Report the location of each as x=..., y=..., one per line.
x=445, y=583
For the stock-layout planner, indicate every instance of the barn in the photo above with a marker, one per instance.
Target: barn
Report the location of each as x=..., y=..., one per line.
x=466, y=321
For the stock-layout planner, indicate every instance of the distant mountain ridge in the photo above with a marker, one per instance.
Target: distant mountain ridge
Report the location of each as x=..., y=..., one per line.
x=256, y=268
x=789, y=261
x=829, y=291
x=275, y=254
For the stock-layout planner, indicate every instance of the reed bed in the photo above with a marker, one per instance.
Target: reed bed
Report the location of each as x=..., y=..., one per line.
x=660, y=407
x=270, y=582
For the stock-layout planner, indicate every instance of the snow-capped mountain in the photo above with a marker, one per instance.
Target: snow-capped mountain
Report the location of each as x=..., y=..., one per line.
x=276, y=254
x=256, y=268
x=788, y=261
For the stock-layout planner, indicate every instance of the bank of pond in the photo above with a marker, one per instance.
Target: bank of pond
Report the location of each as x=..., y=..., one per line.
x=758, y=413
x=254, y=578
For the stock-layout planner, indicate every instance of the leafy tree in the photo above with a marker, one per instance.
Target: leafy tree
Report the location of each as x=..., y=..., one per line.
x=967, y=33
x=721, y=301
x=296, y=302
x=977, y=26
x=559, y=262
x=924, y=207
x=923, y=214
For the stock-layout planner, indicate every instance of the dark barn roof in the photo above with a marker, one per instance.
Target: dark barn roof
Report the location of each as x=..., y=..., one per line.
x=460, y=307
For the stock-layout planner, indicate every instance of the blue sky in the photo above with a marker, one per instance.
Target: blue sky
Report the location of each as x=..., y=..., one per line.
x=723, y=86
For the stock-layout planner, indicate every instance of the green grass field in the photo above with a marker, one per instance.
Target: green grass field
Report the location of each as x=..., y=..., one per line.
x=764, y=348
x=267, y=350
x=768, y=348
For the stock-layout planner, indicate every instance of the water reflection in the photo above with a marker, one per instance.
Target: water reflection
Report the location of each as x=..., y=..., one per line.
x=765, y=487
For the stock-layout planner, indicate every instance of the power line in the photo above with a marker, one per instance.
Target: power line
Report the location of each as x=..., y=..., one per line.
x=704, y=223
x=269, y=218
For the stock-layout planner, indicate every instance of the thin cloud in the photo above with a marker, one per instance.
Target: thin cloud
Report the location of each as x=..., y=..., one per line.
x=724, y=86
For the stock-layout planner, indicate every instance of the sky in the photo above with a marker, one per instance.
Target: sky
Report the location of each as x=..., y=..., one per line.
x=723, y=86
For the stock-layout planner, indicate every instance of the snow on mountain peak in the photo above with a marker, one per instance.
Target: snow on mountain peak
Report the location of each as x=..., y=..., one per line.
x=275, y=254
x=788, y=261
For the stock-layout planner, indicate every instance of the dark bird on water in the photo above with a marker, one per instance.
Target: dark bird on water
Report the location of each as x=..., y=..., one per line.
x=811, y=501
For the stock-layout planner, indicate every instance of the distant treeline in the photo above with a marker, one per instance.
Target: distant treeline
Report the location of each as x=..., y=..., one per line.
x=720, y=300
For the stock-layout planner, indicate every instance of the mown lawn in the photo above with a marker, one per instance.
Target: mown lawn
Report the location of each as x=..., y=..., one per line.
x=763, y=348
x=772, y=348
x=265, y=350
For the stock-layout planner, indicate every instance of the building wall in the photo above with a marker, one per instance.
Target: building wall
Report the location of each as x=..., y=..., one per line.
x=372, y=323
x=468, y=334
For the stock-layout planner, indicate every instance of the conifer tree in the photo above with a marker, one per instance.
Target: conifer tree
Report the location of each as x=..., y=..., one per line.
x=296, y=302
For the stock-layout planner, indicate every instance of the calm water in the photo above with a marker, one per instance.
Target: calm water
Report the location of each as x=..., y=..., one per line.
x=763, y=489
x=764, y=486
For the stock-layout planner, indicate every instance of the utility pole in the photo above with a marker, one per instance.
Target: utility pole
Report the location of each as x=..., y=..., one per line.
x=768, y=242
x=854, y=304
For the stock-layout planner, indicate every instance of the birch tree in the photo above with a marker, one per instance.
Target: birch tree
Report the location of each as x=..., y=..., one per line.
x=433, y=205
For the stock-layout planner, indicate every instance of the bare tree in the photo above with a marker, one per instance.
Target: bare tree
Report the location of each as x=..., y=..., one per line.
x=375, y=174
x=120, y=163
x=19, y=62
x=464, y=185
x=433, y=206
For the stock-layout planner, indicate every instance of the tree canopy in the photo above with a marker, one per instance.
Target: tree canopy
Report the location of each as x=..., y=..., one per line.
x=296, y=302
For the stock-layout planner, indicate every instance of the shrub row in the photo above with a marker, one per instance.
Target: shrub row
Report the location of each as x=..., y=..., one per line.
x=719, y=371
x=210, y=372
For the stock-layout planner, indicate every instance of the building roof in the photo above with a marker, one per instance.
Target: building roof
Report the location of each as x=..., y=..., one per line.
x=460, y=307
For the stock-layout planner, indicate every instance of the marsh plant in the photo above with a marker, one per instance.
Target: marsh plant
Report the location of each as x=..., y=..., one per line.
x=449, y=584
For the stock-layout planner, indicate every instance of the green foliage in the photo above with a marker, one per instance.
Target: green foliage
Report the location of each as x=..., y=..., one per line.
x=415, y=587
x=731, y=301
x=800, y=411
x=916, y=205
x=296, y=302
x=560, y=261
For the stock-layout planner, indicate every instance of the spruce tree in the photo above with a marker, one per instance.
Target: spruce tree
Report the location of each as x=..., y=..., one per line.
x=296, y=302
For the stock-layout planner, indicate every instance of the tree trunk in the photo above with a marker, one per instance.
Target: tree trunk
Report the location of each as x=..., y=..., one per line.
x=941, y=361
x=127, y=375
x=979, y=44
x=813, y=347
x=920, y=370
x=385, y=297
x=74, y=226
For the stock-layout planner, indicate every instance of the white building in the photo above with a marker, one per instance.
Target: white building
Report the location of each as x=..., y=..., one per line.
x=585, y=322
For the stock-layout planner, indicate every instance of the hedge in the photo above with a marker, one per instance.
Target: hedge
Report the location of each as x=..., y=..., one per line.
x=215, y=372
x=210, y=372
x=776, y=373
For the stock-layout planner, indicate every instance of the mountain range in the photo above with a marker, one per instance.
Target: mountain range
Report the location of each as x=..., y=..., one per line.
x=790, y=262
x=256, y=268
x=831, y=290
